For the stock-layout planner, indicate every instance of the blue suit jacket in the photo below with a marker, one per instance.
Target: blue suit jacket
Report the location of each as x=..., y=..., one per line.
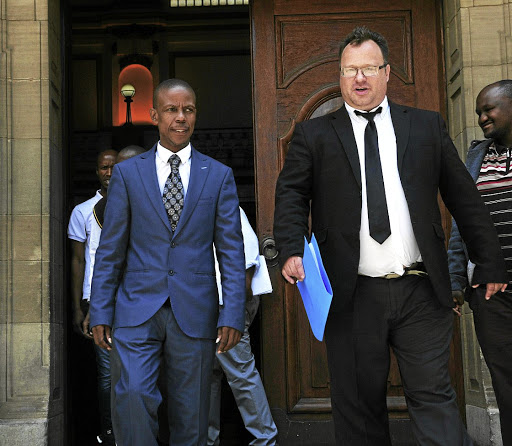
x=140, y=263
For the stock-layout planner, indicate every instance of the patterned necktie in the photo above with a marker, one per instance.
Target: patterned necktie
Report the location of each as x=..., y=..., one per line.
x=378, y=218
x=173, y=192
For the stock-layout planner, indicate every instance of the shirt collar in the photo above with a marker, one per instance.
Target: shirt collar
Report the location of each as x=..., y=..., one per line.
x=497, y=148
x=384, y=104
x=164, y=154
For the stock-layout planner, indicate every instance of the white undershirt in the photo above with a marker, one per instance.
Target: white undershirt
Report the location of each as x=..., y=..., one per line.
x=163, y=168
x=401, y=248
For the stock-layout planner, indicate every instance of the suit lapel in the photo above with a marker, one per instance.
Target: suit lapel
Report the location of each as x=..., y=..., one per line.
x=147, y=170
x=401, y=125
x=199, y=170
x=343, y=126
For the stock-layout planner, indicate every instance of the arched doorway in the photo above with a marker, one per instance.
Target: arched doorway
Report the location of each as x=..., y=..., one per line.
x=142, y=44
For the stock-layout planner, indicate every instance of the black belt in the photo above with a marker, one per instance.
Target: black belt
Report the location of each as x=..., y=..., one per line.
x=415, y=269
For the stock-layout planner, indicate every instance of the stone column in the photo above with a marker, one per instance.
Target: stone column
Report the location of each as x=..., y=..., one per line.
x=478, y=51
x=31, y=224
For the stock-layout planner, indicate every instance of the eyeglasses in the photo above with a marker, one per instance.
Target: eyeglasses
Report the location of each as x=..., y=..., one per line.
x=366, y=71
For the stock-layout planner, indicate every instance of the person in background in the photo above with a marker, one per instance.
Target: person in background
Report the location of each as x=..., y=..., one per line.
x=84, y=234
x=370, y=174
x=124, y=154
x=238, y=364
x=489, y=163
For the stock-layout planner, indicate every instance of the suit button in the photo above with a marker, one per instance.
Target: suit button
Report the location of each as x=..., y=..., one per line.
x=171, y=273
x=173, y=245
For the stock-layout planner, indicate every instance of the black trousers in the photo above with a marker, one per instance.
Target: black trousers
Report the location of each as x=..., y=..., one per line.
x=493, y=325
x=402, y=313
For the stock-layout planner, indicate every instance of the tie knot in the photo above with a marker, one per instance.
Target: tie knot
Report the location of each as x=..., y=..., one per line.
x=174, y=160
x=368, y=115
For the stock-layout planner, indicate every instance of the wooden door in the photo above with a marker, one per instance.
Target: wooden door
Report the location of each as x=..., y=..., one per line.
x=295, y=77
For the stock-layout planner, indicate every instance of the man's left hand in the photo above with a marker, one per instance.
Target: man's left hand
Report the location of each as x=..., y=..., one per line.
x=492, y=288
x=227, y=338
x=458, y=300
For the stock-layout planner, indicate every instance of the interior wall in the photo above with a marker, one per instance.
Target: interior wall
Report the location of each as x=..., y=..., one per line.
x=223, y=89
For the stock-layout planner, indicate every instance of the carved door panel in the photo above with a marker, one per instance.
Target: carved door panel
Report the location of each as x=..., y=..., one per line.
x=295, y=77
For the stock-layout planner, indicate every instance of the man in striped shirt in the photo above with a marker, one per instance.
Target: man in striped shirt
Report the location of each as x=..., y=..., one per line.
x=489, y=162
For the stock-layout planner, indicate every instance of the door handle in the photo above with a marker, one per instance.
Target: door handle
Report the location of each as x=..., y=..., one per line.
x=269, y=251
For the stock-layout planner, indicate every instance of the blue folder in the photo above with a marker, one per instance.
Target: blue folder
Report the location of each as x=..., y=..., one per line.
x=315, y=289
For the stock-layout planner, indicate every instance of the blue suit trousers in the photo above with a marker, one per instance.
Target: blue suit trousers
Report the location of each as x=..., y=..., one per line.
x=136, y=397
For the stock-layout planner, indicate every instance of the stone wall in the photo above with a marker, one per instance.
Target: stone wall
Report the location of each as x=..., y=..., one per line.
x=31, y=249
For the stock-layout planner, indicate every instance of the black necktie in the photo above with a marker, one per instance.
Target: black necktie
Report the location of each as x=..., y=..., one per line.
x=378, y=218
x=173, y=192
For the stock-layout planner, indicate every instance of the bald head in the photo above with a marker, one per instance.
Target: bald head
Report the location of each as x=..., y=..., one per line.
x=503, y=87
x=494, y=110
x=129, y=152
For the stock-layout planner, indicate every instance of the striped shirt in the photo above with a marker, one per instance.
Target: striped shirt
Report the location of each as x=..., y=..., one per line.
x=495, y=185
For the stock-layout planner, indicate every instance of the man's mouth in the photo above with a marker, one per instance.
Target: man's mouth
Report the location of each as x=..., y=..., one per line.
x=180, y=130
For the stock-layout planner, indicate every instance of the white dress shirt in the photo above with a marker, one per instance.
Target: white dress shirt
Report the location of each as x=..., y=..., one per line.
x=163, y=168
x=401, y=248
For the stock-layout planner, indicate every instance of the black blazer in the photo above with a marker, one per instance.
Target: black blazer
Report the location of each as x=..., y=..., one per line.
x=322, y=174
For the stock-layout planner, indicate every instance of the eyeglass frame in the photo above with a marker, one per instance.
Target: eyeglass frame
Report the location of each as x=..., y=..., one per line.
x=361, y=70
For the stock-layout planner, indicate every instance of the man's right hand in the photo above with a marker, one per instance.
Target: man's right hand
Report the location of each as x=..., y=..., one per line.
x=293, y=270
x=102, y=336
x=78, y=318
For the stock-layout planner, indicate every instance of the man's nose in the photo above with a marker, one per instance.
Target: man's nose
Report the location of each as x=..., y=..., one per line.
x=180, y=116
x=360, y=76
x=482, y=118
x=109, y=171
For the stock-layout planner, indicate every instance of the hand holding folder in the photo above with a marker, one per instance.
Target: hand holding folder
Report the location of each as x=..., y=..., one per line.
x=315, y=289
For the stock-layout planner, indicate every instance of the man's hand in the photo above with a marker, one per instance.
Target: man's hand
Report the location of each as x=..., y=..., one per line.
x=458, y=299
x=78, y=319
x=492, y=288
x=293, y=270
x=85, y=326
x=227, y=338
x=102, y=336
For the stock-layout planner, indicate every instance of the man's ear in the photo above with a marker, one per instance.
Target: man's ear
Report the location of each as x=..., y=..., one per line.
x=153, y=115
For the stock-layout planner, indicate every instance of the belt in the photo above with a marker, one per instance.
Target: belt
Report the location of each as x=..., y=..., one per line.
x=415, y=269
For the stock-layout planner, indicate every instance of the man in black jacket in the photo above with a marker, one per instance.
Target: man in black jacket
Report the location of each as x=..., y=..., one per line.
x=370, y=175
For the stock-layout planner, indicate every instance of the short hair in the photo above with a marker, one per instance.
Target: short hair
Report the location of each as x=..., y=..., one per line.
x=169, y=84
x=106, y=152
x=361, y=34
x=129, y=152
x=505, y=87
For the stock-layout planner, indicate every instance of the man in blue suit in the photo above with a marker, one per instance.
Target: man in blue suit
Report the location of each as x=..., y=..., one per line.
x=154, y=278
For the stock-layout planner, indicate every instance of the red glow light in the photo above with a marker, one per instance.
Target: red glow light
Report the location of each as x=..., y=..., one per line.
x=140, y=77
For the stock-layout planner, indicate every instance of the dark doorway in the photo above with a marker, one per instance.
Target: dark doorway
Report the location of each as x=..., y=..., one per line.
x=210, y=48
